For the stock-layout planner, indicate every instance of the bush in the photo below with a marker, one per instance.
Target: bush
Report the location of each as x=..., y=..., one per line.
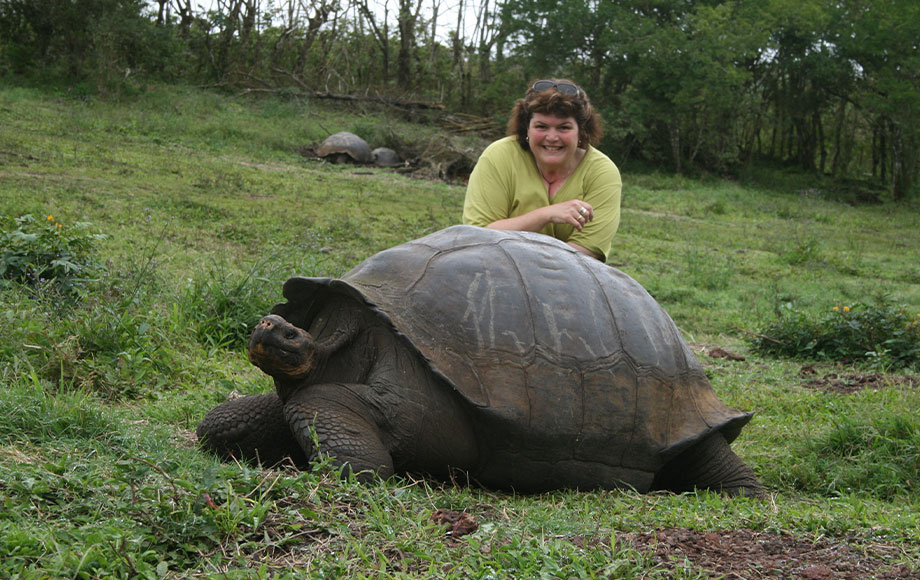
x=39, y=253
x=882, y=335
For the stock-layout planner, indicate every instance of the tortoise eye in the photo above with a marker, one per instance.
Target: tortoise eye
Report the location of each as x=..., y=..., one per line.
x=289, y=334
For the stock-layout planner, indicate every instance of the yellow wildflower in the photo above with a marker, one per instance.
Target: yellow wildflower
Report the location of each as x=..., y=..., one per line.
x=50, y=218
x=846, y=308
x=836, y=308
x=60, y=226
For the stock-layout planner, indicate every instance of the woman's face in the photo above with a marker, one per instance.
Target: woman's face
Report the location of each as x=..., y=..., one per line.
x=553, y=140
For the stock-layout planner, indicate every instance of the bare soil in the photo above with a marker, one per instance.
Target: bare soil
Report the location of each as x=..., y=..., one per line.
x=750, y=555
x=740, y=554
x=847, y=383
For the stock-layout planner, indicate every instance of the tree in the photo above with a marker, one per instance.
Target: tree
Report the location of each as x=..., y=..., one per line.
x=880, y=38
x=406, y=22
x=381, y=32
x=79, y=40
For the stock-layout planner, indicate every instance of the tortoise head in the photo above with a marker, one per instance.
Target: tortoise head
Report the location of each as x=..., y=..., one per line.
x=281, y=349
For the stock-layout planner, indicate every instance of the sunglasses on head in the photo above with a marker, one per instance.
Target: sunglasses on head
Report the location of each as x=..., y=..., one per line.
x=564, y=88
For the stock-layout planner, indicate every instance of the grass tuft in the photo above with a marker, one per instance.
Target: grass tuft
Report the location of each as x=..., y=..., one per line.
x=880, y=457
x=221, y=306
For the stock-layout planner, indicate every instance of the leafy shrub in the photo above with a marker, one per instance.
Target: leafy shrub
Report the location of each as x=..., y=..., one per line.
x=880, y=335
x=45, y=252
x=110, y=342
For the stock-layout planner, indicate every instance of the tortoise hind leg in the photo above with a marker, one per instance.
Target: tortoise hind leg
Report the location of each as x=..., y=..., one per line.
x=251, y=428
x=710, y=464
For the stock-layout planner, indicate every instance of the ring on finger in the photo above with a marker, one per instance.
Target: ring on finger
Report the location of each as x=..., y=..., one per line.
x=582, y=211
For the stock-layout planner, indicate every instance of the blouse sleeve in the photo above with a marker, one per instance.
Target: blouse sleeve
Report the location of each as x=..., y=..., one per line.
x=488, y=193
x=602, y=189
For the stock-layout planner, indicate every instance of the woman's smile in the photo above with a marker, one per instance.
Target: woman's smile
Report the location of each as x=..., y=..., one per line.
x=553, y=141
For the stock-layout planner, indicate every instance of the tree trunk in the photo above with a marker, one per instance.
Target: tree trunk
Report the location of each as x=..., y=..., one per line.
x=819, y=137
x=903, y=162
x=433, y=57
x=184, y=8
x=456, y=64
x=674, y=130
x=162, y=12
x=381, y=33
x=406, y=25
x=247, y=26
x=408, y=16
x=837, y=161
x=225, y=36
x=320, y=16
x=880, y=157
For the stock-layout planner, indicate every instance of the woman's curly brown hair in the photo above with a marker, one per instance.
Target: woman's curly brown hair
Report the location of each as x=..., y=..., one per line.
x=553, y=102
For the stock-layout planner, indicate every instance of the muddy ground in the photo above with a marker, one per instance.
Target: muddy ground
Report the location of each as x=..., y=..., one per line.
x=749, y=555
x=734, y=554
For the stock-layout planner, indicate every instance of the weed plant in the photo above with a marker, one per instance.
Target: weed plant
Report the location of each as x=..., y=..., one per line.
x=207, y=207
x=222, y=306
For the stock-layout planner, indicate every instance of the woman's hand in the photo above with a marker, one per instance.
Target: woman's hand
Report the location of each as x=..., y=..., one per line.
x=575, y=212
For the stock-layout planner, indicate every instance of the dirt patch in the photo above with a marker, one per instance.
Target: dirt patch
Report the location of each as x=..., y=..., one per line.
x=456, y=524
x=719, y=352
x=741, y=554
x=750, y=555
x=847, y=383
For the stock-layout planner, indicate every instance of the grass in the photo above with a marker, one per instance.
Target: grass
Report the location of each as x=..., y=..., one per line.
x=207, y=208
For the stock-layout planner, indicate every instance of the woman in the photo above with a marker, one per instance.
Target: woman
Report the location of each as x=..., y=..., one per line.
x=545, y=176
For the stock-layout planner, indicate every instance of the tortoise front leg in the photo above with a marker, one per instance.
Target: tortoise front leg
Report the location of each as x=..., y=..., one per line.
x=251, y=428
x=343, y=426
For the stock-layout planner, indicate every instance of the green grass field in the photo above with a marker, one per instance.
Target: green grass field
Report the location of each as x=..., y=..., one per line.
x=207, y=207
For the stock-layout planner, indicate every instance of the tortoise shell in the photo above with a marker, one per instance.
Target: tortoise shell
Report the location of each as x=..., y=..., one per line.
x=340, y=145
x=560, y=355
x=386, y=157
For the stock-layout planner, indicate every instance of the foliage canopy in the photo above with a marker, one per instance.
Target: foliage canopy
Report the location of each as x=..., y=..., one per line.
x=826, y=87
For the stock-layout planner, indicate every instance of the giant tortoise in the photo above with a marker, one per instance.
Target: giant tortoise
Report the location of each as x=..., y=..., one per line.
x=345, y=147
x=386, y=157
x=507, y=356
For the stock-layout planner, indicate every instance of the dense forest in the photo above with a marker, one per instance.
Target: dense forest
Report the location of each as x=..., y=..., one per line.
x=829, y=87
